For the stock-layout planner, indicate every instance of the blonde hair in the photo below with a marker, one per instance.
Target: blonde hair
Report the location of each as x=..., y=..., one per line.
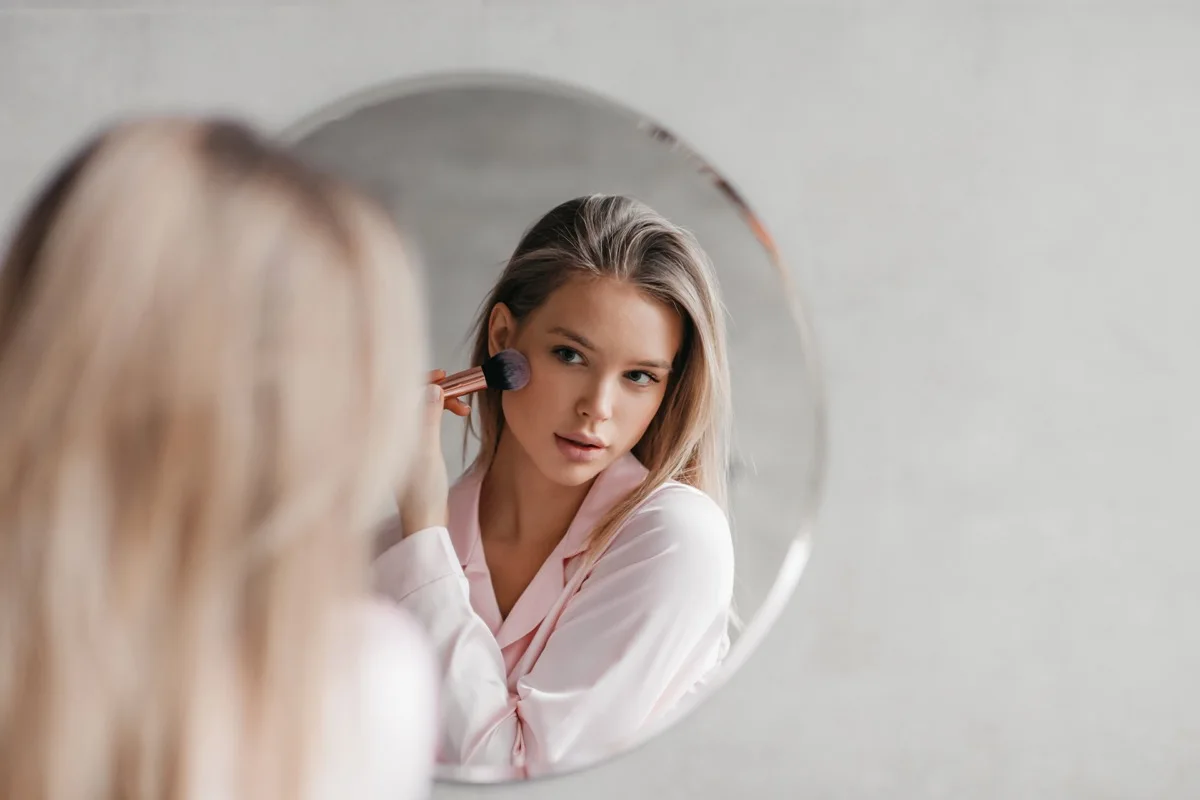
x=207, y=376
x=605, y=236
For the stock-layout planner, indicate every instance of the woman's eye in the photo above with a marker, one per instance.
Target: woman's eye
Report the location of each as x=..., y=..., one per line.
x=567, y=355
x=641, y=378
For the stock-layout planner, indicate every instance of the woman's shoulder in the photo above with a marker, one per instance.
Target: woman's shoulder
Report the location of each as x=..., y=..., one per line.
x=681, y=519
x=382, y=711
x=678, y=544
x=677, y=502
x=392, y=640
x=398, y=668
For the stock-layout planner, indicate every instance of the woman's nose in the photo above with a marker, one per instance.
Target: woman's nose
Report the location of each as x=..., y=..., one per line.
x=597, y=404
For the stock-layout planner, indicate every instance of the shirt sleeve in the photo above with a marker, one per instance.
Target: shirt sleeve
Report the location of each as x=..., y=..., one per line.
x=644, y=627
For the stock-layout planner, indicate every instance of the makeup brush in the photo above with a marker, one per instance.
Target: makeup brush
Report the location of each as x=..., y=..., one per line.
x=507, y=371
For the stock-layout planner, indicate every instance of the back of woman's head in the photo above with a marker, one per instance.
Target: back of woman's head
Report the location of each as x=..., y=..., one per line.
x=209, y=371
x=619, y=238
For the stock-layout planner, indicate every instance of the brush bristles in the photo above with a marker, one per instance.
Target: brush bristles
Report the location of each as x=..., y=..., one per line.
x=507, y=371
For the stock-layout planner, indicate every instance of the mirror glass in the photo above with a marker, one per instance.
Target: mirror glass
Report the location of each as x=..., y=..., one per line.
x=571, y=661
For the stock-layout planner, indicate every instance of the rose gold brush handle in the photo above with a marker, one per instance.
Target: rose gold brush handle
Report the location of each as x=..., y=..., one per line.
x=465, y=382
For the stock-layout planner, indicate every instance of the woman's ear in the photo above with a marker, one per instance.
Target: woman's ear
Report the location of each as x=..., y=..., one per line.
x=501, y=328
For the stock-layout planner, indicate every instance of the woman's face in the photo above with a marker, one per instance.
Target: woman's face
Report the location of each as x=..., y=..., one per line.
x=600, y=353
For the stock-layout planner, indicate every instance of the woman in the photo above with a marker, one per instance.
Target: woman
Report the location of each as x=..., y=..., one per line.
x=577, y=583
x=209, y=376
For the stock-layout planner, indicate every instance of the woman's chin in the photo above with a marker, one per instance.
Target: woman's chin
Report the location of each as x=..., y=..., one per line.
x=572, y=474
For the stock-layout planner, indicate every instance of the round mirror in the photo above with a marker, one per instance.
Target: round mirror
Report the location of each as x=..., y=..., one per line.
x=565, y=640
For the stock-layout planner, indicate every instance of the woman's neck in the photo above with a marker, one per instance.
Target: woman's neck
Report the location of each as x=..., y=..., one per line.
x=519, y=505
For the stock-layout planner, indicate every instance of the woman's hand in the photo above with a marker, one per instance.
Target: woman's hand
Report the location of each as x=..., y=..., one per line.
x=422, y=502
x=453, y=405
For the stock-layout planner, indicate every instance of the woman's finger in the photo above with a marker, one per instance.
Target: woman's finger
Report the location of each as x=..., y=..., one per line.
x=433, y=408
x=436, y=375
x=458, y=407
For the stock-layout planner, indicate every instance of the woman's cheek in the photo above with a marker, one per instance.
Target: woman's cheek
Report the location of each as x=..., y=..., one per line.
x=531, y=404
x=515, y=411
x=646, y=414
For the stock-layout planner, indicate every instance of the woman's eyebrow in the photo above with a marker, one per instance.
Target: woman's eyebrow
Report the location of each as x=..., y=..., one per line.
x=578, y=338
x=586, y=343
x=663, y=365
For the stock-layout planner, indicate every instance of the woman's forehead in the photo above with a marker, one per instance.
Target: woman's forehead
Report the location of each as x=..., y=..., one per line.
x=613, y=316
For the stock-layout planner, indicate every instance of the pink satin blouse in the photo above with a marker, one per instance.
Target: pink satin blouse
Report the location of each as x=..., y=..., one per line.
x=587, y=657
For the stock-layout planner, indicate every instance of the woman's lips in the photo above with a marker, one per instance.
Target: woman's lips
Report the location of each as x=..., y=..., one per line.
x=578, y=452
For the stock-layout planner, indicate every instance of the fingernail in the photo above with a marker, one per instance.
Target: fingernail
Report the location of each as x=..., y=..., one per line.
x=433, y=394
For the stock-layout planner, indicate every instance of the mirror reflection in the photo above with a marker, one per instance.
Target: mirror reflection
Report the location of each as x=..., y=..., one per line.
x=622, y=456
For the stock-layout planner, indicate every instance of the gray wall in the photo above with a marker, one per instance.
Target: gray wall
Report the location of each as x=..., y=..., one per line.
x=992, y=210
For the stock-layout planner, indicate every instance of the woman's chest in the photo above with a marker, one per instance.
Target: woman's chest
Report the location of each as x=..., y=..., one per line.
x=523, y=599
x=513, y=568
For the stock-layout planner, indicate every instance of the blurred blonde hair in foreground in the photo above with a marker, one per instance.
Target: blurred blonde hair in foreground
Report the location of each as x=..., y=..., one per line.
x=210, y=370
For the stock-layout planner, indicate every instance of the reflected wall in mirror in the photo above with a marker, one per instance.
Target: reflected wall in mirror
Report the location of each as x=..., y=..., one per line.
x=589, y=588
